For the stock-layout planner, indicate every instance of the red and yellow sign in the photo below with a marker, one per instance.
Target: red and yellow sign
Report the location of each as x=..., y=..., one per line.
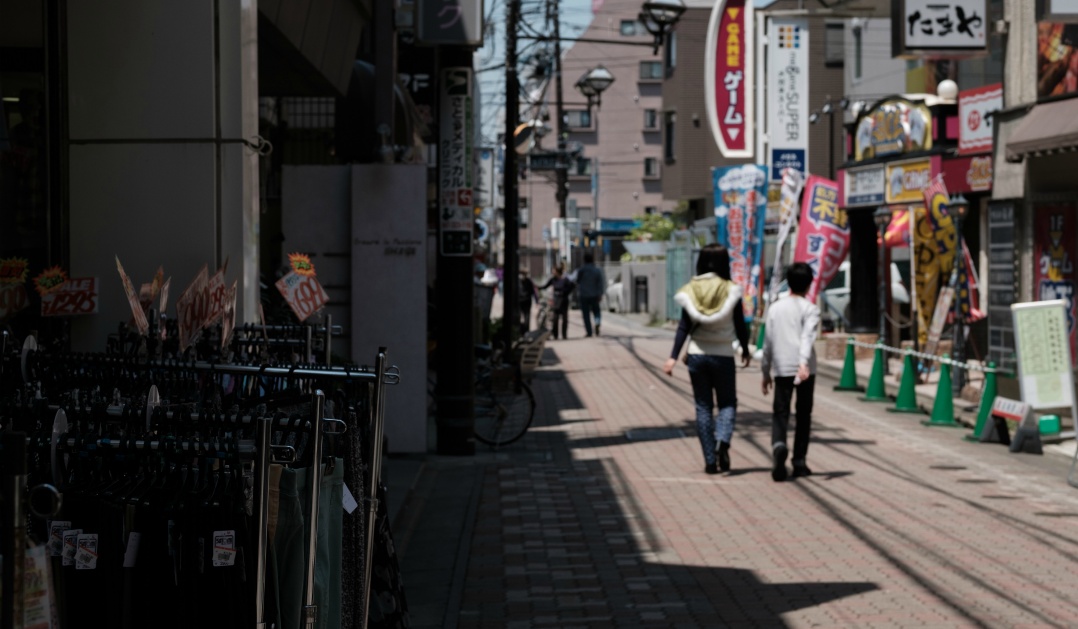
x=49, y=280
x=905, y=180
x=301, y=264
x=893, y=127
x=728, y=77
x=13, y=270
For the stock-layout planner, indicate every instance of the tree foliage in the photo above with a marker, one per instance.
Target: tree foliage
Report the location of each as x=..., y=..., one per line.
x=654, y=227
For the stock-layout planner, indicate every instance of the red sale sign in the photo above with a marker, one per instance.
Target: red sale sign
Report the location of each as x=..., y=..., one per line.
x=304, y=294
x=76, y=296
x=132, y=299
x=190, y=308
x=13, y=298
x=728, y=77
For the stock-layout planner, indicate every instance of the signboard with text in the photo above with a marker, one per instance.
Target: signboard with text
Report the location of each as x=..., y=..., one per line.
x=864, y=187
x=974, y=119
x=456, y=177
x=729, y=78
x=823, y=236
x=905, y=180
x=1002, y=282
x=76, y=296
x=450, y=22
x=740, y=212
x=787, y=107
x=1044, y=356
x=934, y=29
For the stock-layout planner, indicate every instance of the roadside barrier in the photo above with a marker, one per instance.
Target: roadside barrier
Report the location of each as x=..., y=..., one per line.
x=943, y=406
x=848, y=382
x=906, y=401
x=988, y=396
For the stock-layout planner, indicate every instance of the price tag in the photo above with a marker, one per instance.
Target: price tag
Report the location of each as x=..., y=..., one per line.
x=132, y=299
x=190, y=308
x=77, y=296
x=304, y=294
x=71, y=542
x=224, y=548
x=216, y=297
x=86, y=553
x=13, y=298
x=164, y=295
x=56, y=536
x=228, y=319
x=350, y=503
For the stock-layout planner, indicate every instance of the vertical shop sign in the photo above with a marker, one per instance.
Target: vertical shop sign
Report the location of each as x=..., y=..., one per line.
x=975, y=107
x=451, y=22
x=787, y=107
x=728, y=77
x=740, y=213
x=1002, y=283
x=455, y=164
x=823, y=236
x=926, y=271
x=1053, y=250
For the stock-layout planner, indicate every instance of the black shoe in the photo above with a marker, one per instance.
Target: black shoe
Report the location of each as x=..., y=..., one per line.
x=800, y=469
x=724, y=456
x=711, y=468
x=779, y=454
x=596, y=329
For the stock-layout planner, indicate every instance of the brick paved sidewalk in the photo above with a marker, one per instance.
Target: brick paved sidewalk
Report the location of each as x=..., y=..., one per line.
x=602, y=516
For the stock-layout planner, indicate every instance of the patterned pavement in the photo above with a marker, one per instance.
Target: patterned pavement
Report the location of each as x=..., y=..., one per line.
x=602, y=516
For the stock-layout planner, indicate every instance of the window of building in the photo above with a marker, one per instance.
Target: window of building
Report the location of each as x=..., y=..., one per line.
x=651, y=70
x=651, y=209
x=628, y=27
x=581, y=168
x=669, y=124
x=651, y=168
x=578, y=118
x=585, y=214
x=670, y=53
x=833, y=43
x=857, y=53
x=651, y=120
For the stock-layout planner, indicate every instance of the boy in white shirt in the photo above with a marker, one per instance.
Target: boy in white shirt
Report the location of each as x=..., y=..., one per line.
x=789, y=356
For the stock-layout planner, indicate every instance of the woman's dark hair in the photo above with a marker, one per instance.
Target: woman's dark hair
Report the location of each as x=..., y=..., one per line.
x=714, y=258
x=799, y=277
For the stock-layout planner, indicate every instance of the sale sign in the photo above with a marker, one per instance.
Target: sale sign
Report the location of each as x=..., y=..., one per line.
x=190, y=308
x=740, y=210
x=304, y=294
x=132, y=299
x=823, y=238
x=13, y=295
x=76, y=296
x=216, y=296
x=728, y=77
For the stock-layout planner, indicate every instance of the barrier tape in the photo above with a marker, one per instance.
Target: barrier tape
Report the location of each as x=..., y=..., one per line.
x=922, y=355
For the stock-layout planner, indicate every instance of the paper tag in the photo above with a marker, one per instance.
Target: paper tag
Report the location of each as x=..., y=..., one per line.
x=56, y=536
x=224, y=548
x=37, y=595
x=71, y=542
x=132, y=550
x=350, y=503
x=86, y=553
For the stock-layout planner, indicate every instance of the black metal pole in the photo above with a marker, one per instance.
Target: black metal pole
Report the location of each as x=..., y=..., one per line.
x=511, y=238
x=831, y=141
x=958, y=344
x=562, y=175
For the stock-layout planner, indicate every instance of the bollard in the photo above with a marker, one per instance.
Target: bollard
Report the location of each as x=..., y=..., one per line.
x=906, y=401
x=877, y=392
x=943, y=407
x=848, y=382
x=988, y=396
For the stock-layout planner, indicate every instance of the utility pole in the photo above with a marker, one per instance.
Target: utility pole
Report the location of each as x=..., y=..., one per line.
x=511, y=238
x=562, y=175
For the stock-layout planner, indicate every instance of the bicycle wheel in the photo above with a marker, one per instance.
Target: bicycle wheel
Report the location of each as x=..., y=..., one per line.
x=502, y=415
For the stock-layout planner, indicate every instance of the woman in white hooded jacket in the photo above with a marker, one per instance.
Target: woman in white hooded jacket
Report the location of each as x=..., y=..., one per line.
x=711, y=318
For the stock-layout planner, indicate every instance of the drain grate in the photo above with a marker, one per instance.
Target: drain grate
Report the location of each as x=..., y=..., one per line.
x=653, y=434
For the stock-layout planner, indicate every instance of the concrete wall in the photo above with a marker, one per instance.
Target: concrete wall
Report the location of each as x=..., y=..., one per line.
x=654, y=273
x=158, y=103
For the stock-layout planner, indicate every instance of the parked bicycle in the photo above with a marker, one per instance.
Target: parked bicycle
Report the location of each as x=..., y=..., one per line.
x=504, y=402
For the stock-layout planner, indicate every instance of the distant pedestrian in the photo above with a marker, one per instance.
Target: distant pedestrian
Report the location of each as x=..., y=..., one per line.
x=525, y=298
x=562, y=286
x=591, y=285
x=790, y=358
x=711, y=318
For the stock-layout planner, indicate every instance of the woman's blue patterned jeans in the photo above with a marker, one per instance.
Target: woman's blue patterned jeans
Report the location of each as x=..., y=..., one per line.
x=713, y=383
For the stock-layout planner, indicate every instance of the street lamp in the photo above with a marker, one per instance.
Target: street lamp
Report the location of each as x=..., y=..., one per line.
x=882, y=217
x=958, y=207
x=593, y=83
x=658, y=17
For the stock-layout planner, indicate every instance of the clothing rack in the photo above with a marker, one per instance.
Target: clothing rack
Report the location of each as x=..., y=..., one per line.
x=260, y=449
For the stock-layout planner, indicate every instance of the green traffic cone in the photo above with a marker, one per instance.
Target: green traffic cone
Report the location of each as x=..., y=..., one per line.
x=848, y=382
x=988, y=396
x=906, y=402
x=760, y=336
x=943, y=407
x=876, y=390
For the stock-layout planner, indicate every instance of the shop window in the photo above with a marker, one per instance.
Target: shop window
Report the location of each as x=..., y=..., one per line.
x=670, y=53
x=629, y=27
x=833, y=43
x=651, y=120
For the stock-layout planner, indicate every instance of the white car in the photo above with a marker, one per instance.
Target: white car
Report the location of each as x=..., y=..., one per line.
x=836, y=297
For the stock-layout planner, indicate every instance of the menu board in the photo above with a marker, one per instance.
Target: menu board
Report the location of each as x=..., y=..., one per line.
x=1044, y=361
x=1002, y=283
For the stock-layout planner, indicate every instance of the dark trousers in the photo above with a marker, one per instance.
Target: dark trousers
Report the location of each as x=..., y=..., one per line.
x=589, y=307
x=525, y=316
x=561, y=318
x=780, y=418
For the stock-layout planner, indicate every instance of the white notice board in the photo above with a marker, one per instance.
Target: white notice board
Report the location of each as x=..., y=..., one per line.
x=1044, y=357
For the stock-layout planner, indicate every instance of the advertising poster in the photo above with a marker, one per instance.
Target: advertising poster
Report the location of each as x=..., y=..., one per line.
x=823, y=236
x=1053, y=250
x=740, y=212
x=943, y=227
x=787, y=109
x=926, y=271
x=1057, y=64
x=728, y=77
x=975, y=127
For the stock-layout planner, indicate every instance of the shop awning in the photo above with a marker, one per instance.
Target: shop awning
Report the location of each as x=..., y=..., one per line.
x=1047, y=128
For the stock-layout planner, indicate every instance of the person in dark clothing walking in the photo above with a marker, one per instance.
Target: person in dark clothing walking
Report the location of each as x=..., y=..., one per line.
x=526, y=296
x=562, y=286
x=591, y=284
